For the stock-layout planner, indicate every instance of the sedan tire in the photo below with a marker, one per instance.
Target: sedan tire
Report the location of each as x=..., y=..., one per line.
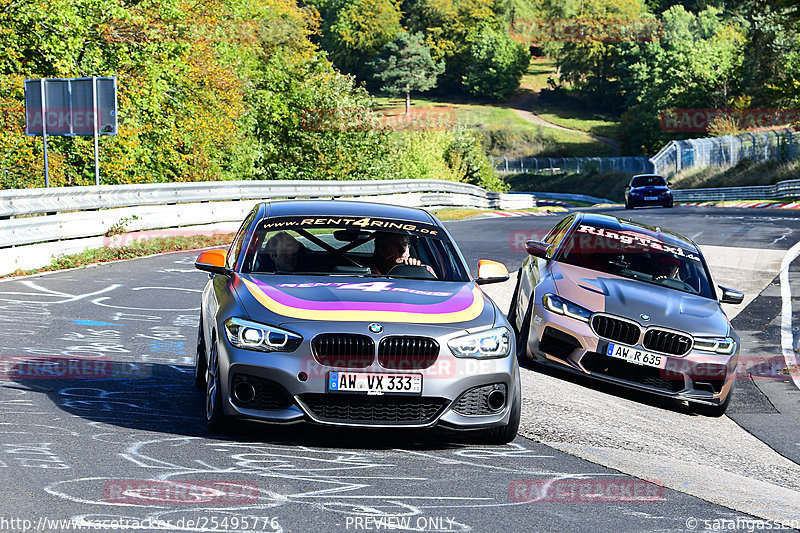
x=216, y=420
x=200, y=363
x=714, y=411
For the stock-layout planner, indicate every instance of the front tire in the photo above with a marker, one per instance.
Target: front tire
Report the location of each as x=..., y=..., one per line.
x=200, y=362
x=714, y=411
x=512, y=311
x=215, y=419
x=523, y=334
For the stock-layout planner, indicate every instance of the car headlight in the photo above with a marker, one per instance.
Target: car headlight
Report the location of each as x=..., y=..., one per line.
x=722, y=345
x=253, y=336
x=564, y=307
x=487, y=344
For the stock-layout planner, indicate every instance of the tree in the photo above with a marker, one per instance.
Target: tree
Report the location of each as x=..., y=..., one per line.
x=405, y=65
x=355, y=31
x=495, y=64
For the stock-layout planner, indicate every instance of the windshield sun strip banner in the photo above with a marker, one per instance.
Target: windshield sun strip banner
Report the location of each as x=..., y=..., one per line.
x=589, y=240
x=463, y=306
x=372, y=223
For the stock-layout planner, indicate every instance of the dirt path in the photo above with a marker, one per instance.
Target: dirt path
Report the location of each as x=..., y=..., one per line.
x=523, y=103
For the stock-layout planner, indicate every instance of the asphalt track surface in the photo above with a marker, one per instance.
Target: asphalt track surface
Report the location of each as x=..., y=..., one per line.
x=72, y=448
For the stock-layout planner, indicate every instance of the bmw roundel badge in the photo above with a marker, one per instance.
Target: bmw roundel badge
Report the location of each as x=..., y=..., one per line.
x=645, y=317
x=375, y=328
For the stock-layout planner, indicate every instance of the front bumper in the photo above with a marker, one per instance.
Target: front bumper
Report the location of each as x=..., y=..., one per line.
x=642, y=201
x=293, y=387
x=570, y=344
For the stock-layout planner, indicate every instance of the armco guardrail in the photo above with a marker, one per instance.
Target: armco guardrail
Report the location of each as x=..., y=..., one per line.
x=783, y=189
x=33, y=201
x=77, y=212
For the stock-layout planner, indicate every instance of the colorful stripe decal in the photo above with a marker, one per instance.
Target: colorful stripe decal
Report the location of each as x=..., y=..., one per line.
x=465, y=305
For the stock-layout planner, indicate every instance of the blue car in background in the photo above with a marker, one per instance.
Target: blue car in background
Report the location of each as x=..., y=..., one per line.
x=648, y=189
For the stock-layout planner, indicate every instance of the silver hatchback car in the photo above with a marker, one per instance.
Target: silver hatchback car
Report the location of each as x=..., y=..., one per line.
x=354, y=314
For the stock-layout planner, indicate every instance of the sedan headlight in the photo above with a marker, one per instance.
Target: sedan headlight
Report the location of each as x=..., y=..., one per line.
x=253, y=336
x=722, y=345
x=558, y=305
x=487, y=344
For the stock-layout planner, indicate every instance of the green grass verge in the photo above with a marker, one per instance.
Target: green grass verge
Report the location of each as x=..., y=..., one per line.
x=569, y=117
x=539, y=69
x=129, y=251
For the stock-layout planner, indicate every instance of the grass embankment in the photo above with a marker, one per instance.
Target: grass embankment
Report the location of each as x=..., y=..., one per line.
x=573, y=118
x=744, y=174
x=504, y=131
x=601, y=185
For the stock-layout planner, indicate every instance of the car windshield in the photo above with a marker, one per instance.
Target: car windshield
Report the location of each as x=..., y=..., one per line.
x=368, y=247
x=645, y=181
x=656, y=259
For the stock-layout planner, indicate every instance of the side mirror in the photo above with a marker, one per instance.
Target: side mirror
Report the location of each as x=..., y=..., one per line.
x=538, y=249
x=627, y=187
x=212, y=261
x=730, y=296
x=491, y=272
x=669, y=184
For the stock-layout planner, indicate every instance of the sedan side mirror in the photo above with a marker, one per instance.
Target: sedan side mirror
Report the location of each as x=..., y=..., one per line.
x=538, y=249
x=491, y=272
x=669, y=184
x=730, y=296
x=212, y=261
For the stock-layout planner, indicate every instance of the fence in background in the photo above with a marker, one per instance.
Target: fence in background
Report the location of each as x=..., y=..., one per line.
x=727, y=151
x=573, y=165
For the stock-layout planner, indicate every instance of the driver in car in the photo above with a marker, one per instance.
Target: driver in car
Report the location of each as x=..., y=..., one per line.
x=667, y=267
x=393, y=249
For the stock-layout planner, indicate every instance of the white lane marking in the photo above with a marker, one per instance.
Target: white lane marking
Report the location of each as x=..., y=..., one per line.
x=787, y=337
x=786, y=233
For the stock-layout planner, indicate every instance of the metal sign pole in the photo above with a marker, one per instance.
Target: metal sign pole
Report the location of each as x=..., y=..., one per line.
x=44, y=135
x=95, y=118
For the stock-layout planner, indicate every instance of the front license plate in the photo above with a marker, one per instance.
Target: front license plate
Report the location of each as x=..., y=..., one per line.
x=636, y=355
x=375, y=383
x=651, y=198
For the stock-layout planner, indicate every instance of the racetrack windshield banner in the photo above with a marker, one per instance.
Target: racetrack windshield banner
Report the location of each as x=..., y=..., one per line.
x=370, y=223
